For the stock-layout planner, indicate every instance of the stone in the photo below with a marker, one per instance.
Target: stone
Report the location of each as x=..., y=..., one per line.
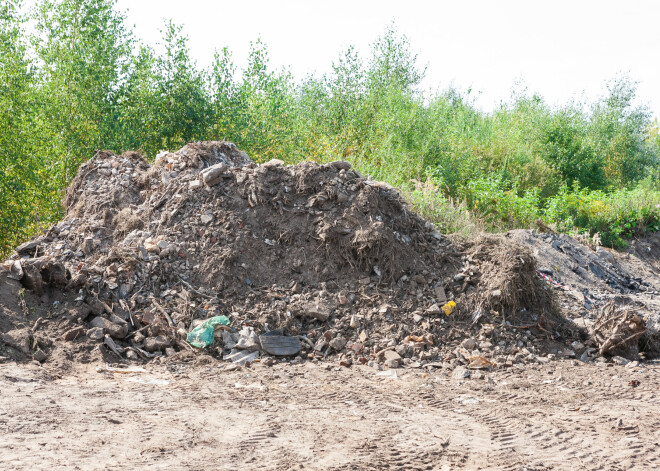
x=469, y=344
x=162, y=244
x=440, y=294
x=214, y=174
x=317, y=310
x=392, y=363
x=339, y=165
x=460, y=372
x=338, y=343
x=577, y=346
x=195, y=185
x=206, y=218
x=131, y=355
x=620, y=360
x=363, y=336
x=273, y=163
x=485, y=345
x=153, y=344
x=417, y=318
x=114, y=330
x=95, y=333
x=434, y=310
x=169, y=351
x=19, y=339
x=391, y=355
x=40, y=355
x=73, y=334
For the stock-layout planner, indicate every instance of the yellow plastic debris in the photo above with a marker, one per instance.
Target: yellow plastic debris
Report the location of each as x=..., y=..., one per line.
x=449, y=307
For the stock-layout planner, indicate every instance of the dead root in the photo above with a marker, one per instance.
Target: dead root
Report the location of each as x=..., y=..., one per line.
x=618, y=331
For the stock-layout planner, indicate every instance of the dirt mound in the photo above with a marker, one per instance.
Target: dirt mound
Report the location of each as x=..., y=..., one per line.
x=316, y=252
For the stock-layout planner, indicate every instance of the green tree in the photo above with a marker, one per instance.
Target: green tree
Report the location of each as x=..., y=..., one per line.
x=83, y=47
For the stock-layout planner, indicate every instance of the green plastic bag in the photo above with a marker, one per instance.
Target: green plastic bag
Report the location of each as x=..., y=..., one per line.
x=202, y=335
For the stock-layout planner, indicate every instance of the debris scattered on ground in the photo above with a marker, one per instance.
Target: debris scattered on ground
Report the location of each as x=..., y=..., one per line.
x=269, y=262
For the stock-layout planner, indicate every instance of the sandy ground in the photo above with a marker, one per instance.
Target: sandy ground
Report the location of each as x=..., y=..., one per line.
x=562, y=415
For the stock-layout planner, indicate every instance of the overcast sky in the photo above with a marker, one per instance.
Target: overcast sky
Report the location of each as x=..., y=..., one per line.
x=560, y=49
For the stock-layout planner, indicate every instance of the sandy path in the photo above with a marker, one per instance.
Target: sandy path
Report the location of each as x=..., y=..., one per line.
x=555, y=416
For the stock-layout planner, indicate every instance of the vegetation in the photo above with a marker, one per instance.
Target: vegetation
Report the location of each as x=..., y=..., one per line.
x=79, y=81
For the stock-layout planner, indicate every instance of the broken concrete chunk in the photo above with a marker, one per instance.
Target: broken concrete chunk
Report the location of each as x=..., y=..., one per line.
x=214, y=174
x=317, y=310
x=154, y=344
x=114, y=330
x=338, y=343
x=339, y=165
x=73, y=334
x=95, y=333
x=460, y=372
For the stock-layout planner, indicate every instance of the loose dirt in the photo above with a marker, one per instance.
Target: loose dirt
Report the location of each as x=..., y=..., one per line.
x=560, y=416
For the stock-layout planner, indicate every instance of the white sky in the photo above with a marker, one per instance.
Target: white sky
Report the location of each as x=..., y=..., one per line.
x=560, y=49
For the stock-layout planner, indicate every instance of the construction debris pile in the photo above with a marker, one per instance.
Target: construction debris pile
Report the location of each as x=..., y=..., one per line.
x=264, y=262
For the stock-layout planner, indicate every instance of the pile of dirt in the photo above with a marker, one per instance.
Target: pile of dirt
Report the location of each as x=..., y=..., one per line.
x=316, y=252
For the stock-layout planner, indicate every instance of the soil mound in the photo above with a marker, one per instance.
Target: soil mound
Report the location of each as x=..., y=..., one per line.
x=316, y=252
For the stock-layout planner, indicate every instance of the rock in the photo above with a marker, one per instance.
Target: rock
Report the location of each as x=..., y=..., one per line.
x=440, y=294
x=207, y=218
x=485, y=345
x=339, y=165
x=469, y=344
x=195, y=185
x=363, y=336
x=632, y=364
x=169, y=351
x=434, y=310
x=317, y=310
x=605, y=255
x=391, y=355
x=214, y=174
x=577, y=346
x=114, y=330
x=40, y=355
x=392, y=363
x=163, y=245
x=131, y=355
x=153, y=344
x=273, y=163
x=95, y=333
x=338, y=343
x=73, y=334
x=460, y=372
x=417, y=318
x=620, y=360
x=19, y=339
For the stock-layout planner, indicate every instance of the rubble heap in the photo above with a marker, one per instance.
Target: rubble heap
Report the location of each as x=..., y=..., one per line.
x=312, y=252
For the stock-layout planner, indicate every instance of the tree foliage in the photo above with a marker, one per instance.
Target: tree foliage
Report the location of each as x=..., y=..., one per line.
x=79, y=81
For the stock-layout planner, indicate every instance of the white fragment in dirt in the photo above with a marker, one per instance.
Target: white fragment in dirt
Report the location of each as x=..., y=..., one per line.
x=206, y=218
x=389, y=374
x=195, y=184
x=249, y=386
x=377, y=271
x=155, y=381
x=269, y=242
